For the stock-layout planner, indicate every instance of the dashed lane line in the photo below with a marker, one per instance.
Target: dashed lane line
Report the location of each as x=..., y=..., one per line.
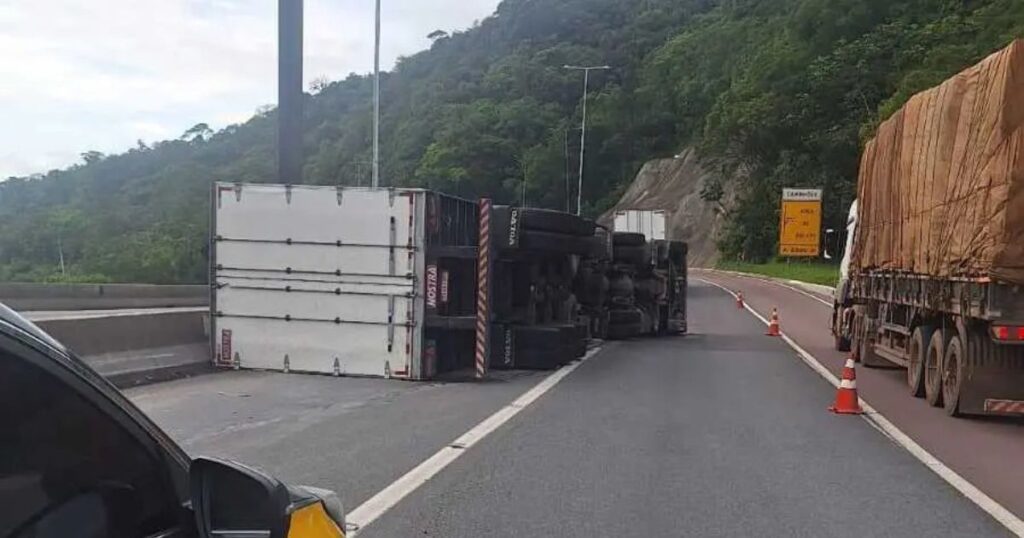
x=387, y=498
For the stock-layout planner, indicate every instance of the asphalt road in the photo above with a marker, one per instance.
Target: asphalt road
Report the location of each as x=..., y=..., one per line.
x=721, y=433
x=352, y=435
x=985, y=451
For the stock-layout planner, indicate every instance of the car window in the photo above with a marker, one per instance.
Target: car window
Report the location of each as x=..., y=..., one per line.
x=68, y=469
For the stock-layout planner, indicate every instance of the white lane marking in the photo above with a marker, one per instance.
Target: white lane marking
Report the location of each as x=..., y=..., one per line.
x=157, y=356
x=877, y=420
x=388, y=497
x=777, y=283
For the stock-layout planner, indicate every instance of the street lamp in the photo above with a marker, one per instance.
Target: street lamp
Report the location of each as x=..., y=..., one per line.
x=375, y=182
x=583, y=129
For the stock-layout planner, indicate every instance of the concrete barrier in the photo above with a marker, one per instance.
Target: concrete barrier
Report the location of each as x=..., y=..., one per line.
x=93, y=335
x=33, y=296
x=131, y=347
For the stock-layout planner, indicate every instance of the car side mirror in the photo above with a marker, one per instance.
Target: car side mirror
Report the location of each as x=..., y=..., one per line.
x=232, y=500
x=831, y=241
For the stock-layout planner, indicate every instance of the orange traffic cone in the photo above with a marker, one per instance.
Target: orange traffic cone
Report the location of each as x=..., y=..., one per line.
x=847, y=402
x=773, y=324
x=739, y=300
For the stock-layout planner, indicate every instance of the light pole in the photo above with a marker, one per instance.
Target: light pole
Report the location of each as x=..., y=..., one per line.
x=375, y=182
x=583, y=129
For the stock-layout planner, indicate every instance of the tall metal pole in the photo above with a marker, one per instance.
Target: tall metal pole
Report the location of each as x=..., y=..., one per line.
x=376, y=101
x=583, y=142
x=289, y=91
x=565, y=156
x=583, y=128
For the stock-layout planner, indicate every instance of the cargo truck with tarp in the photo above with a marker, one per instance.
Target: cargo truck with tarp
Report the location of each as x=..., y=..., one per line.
x=932, y=274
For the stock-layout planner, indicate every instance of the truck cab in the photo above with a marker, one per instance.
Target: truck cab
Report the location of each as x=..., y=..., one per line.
x=842, y=305
x=77, y=458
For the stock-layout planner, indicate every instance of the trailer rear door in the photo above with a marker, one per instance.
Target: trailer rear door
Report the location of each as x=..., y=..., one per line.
x=651, y=223
x=314, y=279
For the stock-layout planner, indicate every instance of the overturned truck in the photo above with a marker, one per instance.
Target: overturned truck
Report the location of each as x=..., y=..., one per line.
x=411, y=283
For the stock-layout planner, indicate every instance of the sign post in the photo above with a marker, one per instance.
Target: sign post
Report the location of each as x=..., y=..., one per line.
x=800, y=225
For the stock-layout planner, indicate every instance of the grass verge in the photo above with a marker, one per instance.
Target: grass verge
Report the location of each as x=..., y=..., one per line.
x=814, y=273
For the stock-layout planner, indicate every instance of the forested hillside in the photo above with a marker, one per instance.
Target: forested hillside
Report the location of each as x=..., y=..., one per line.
x=770, y=92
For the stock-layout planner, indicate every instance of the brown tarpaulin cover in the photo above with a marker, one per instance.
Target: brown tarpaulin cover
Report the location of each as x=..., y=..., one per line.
x=941, y=187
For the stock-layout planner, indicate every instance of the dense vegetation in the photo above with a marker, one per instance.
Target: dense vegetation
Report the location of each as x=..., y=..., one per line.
x=772, y=92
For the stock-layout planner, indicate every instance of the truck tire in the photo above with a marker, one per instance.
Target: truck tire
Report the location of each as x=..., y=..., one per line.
x=919, y=340
x=553, y=242
x=633, y=255
x=677, y=252
x=598, y=248
x=841, y=343
x=866, y=349
x=556, y=221
x=954, y=368
x=933, y=368
x=628, y=239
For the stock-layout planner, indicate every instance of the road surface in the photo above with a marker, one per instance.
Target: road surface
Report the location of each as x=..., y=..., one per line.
x=982, y=450
x=721, y=433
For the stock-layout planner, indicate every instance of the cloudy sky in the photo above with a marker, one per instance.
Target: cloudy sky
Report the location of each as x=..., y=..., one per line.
x=100, y=74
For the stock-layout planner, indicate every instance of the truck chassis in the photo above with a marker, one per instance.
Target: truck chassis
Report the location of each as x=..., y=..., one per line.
x=961, y=340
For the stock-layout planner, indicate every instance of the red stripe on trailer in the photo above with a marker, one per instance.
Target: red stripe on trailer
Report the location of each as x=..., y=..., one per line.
x=482, y=287
x=1004, y=406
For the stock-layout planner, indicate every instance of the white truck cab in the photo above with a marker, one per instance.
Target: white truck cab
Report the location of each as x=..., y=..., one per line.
x=842, y=310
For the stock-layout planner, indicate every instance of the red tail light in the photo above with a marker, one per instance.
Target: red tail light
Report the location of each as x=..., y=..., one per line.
x=1006, y=333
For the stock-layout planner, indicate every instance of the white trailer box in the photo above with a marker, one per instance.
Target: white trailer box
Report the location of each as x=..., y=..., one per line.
x=651, y=223
x=325, y=279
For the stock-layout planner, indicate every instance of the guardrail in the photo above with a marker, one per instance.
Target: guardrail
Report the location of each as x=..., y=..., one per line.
x=34, y=296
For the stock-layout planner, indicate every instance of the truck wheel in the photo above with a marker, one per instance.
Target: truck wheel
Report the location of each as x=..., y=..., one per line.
x=634, y=255
x=867, y=355
x=953, y=369
x=933, y=368
x=842, y=343
x=556, y=221
x=919, y=340
x=628, y=239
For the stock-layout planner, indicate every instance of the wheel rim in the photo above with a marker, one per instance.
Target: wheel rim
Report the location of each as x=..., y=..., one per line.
x=933, y=375
x=951, y=374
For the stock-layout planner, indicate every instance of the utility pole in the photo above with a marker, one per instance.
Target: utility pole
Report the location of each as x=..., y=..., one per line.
x=289, y=91
x=375, y=183
x=583, y=129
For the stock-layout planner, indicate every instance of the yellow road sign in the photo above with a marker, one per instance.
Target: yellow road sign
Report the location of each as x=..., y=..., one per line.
x=800, y=226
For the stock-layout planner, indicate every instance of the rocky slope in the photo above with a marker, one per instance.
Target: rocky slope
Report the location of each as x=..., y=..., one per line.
x=675, y=185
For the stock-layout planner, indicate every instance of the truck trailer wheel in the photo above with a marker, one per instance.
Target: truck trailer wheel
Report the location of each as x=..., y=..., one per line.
x=866, y=348
x=919, y=340
x=556, y=221
x=933, y=368
x=953, y=370
x=842, y=343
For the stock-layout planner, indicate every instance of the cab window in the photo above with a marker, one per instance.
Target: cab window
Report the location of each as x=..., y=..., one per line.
x=69, y=469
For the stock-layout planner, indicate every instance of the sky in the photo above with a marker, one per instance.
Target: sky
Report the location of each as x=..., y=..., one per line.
x=101, y=74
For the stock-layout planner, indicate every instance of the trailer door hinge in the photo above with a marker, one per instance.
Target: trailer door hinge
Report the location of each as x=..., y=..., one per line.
x=391, y=322
x=391, y=244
